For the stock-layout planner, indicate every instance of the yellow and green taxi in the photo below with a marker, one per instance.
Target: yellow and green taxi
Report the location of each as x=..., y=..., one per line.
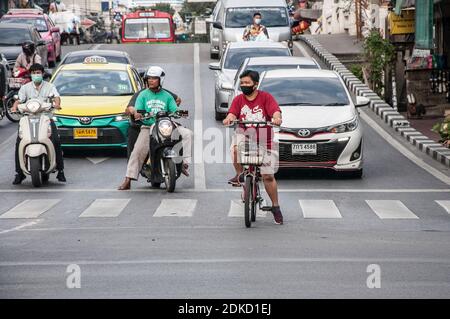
x=94, y=95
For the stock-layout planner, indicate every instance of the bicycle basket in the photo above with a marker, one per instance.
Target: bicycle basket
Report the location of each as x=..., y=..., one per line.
x=250, y=154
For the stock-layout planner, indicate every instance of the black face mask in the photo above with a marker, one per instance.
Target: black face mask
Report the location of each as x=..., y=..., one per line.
x=247, y=90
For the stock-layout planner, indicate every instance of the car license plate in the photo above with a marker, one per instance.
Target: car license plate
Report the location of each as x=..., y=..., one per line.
x=304, y=149
x=80, y=133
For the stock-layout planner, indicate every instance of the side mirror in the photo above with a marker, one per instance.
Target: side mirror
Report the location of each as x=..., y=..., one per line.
x=227, y=86
x=362, y=101
x=54, y=30
x=218, y=25
x=215, y=66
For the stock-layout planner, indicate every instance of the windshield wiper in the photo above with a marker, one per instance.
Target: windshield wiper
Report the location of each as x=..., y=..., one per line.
x=335, y=104
x=297, y=103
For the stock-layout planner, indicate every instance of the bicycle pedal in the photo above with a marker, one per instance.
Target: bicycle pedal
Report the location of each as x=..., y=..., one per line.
x=266, y=208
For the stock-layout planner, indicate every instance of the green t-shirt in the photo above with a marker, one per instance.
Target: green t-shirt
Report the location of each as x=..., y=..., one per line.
x=150, y=101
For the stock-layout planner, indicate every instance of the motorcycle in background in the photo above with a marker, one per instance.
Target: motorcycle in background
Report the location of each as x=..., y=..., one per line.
x=20, y=77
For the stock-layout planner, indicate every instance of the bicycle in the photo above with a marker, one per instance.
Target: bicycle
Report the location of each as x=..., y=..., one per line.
x=251, y=157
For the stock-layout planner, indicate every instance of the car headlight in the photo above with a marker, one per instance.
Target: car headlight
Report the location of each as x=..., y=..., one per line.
x=165, y=128
x=120, y=118
x=344, y=127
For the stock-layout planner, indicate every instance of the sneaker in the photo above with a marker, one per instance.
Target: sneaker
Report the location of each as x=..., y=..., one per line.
x=18, y=179
x=60, y=177
x=277, y=216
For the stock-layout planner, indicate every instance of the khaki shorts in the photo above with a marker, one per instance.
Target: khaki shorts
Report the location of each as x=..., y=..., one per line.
x=271, y=158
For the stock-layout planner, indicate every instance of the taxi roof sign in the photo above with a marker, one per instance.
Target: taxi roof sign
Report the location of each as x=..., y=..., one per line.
x=96, y=59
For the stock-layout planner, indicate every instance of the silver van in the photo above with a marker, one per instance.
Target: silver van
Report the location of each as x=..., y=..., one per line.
x=234, y=15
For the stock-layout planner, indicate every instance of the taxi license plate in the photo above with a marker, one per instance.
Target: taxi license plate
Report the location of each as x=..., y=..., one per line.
x=80, y=133
x=304, y=149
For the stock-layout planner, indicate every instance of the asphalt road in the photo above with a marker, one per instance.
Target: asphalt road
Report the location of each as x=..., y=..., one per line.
x=144, y=243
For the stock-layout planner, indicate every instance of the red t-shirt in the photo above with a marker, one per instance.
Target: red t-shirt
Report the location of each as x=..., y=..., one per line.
x=260, y=109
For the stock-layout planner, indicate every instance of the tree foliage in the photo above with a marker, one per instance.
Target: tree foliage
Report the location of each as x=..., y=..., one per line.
x=196, y=9
x=379, y=54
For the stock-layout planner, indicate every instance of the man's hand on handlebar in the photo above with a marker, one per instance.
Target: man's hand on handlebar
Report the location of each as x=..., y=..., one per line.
x=229, y=120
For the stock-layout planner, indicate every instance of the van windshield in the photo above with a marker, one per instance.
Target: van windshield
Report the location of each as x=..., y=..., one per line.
x=242, y=17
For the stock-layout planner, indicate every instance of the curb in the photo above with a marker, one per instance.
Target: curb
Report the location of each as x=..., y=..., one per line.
x=395, y=120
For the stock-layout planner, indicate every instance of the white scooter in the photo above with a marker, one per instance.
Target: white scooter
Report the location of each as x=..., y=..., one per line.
x=37, y=155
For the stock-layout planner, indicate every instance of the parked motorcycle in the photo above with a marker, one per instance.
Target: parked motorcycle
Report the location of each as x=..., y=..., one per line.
x=20, y=77
x=37, y=155
x=165, y=159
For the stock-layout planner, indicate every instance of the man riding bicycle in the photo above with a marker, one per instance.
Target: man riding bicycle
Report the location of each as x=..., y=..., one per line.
x=255, y=105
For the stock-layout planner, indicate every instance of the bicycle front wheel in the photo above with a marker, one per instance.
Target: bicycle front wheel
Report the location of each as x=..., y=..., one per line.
x=248, y=199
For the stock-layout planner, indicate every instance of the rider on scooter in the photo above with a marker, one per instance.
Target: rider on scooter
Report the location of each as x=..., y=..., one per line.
x=153, y=100
x=27, y=57
x=39, y=89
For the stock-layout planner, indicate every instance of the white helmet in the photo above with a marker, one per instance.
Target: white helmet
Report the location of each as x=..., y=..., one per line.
x=156, y=71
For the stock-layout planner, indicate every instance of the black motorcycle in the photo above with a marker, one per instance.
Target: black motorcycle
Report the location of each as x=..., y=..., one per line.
x=166, y=156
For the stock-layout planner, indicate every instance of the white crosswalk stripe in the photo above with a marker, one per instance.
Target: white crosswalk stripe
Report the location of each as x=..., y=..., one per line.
x=105, y=208
x=445, y=204
x=176, y=208
x=237, y=209
x=31, y=208
x=390, y=209
x=319, y=209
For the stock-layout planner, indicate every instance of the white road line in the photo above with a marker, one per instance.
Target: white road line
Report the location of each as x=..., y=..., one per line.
x=319, y=209
x=445, y=204
x=31, y=208
x=229, y=190
x=96, y=47
x=237, y=209
x=402, y=149
x=29, y=224
x=97, y=160
x=106, y=208
x=176, y=208
x=276, y=260
x=302, y=50
x=390, y=209
x=199, y=165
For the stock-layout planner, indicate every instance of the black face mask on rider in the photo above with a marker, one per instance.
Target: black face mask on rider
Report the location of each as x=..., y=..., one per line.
x=248, y=90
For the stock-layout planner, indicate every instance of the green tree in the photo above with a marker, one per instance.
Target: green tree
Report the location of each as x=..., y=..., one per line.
x=196, y=9
x=379, y=54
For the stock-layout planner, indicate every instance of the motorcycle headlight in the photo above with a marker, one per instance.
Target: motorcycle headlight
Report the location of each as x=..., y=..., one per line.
x=33, y=106
x=165, y=128
x=344, y=127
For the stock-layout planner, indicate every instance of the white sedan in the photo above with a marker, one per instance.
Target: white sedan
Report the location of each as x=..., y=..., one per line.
x=321, y=127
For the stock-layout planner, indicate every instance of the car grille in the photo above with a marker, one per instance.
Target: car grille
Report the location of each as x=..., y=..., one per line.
x=106, y=135
x=327, y=153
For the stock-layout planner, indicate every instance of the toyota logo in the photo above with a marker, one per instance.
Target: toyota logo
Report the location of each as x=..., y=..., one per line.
x=85, y=120
x=304, y=132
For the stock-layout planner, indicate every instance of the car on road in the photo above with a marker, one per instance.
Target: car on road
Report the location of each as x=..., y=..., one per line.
x=12, y=35
x=94, y=95
x=214, y=50
x=262, y=64
x=235, y=15
x=233, y=57
x=44, y=25
x=112, y=56
x=321, y=127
